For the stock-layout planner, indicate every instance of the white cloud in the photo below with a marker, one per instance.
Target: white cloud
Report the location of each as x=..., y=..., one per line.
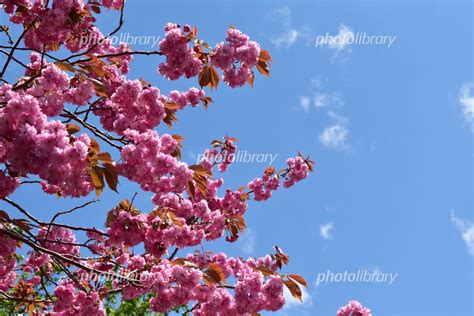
x=249, y=242
x=323, y=99
x=289, y=34
x=286, y=39
x=343, y=39
x=327, y=230
x=466, y=228
x=292, y=303
x=339, y=42
x=319, y=97
x=305, y=102
x=335, y=136
x=466, y=99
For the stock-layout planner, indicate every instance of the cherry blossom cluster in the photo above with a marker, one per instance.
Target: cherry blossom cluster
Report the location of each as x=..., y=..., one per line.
x=70, y=302
x=252, y=292
x=7, y=262
x=114, y=4
x=148, y=161
x=133, y=107
x=59, y=239
x=31, y=144
x=53, y=90
x=62, y=22
x=179, y=221
x=180, y=58
x=8, y=185
x=237, y=48
x=191, y=97
x=353, y=308
x=262, y=187
x=297, y=170
x=222, y=155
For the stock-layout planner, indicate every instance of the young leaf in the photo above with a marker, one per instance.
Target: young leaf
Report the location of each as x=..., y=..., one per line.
x=72, y=128
x=264, y=55
x=214, y=274
x=4, y=215
x=201, y=170
x=204, y=77
x=97, y=177
x=299, y=279
x=294, y=289
x=111, y=175
x=192, y=190
x=105, y=157
x=263, y=68
x=65, y=66
x=214, y=77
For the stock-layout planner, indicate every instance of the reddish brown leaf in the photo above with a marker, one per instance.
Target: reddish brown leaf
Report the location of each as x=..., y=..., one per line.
x=111, y=175
x=270, y=170
x=266, y=271
x=214, y=77
x=65, y=66
x=213, y=274
x=204, y=77
x=178, y=138
x=251, y=79
x=72, y=128
x=263, y=68
x=192, y=190
x=264, y=55
x=294, y=289
x=96, y=9
x=97, y=177
x=172, y=106
x=299, y=279
x=23, y=224
x=4, y=215
x=201, y=170
x=105, y=157
x=183, y=262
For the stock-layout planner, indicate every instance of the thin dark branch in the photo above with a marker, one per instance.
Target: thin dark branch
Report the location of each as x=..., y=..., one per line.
x=34, y=219
x=130, y=53
x=16, y=60
x=97, y=132
x=10, y=55
x=173, y=254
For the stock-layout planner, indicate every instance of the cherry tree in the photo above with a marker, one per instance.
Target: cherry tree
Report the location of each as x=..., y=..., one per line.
x=47, y=138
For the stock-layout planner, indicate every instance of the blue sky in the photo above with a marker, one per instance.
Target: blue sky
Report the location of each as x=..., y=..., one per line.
x=390, y=129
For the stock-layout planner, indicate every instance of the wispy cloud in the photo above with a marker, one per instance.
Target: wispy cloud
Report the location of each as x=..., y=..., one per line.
x=293, y=303
x=324, y=99
x=319, y=97
x=305, y=103
x=327, y=231
x=466, y=99
x=340, y=42
x=466, y=228
x=335, y=136
x=249, y=242
x=289, y=33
